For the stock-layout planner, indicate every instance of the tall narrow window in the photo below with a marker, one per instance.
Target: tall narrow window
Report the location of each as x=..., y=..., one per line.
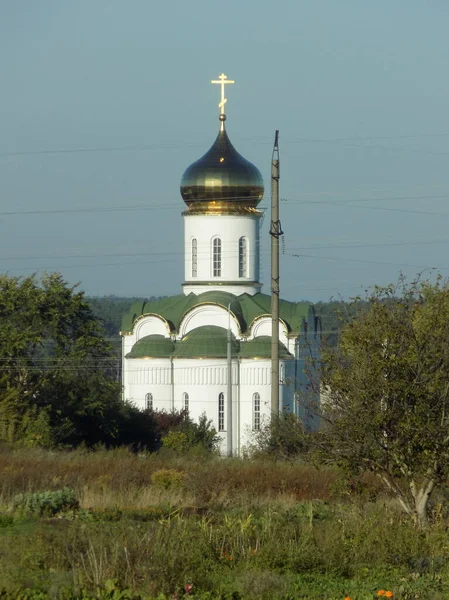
x=221, y=410
x=243, y=262
x=149, y=401
x=256, y=412
x=185, y=398
x=216, y=257
x=194, y=258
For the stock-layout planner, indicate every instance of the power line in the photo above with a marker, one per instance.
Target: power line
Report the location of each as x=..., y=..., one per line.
x=225, y=254
x=374, y=262
x=177, y=205
x=256, y=140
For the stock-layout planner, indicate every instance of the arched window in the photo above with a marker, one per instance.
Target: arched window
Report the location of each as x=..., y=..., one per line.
x=194, y=258
x=185, y=402
x=216, y=257
x=149, y=401
x=243, y=261
x=221, y=409
x=256, y=411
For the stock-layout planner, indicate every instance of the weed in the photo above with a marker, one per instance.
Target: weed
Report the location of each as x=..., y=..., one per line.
x=45, y=503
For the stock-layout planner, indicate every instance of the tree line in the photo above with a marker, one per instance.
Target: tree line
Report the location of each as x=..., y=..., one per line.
x=384, y=382
x=58, y=374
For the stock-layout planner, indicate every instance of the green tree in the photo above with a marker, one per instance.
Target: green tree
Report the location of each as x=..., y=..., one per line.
x=281, y=437
x=58, y=375
x=387, y=392
x=177, y=431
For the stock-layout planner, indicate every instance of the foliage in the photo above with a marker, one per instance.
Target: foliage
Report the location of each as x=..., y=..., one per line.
x=246, y=529
x=179, y=433
x=168, y=478
x=334, y=315
x=266, y=554
x=57, y=384
x=282, y=437
x=45, y=503
x=387, y=389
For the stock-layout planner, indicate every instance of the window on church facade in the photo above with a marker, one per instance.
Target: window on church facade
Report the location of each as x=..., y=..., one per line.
x=256, y=411
x=216, y=257
x=243, y=268
x=221, y=409
x=185, y=399
x=194, y=258
x=149, y=401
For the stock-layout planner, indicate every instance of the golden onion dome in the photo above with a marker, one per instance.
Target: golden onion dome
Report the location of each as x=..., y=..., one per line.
x=222, y=180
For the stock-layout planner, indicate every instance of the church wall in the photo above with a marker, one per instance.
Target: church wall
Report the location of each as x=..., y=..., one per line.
x=229, y=229
x=150, y=325
x=204, y=380
x=208, y=314
x=262, y=326
x=149, y=376
x=146, y=325
x=255, y=378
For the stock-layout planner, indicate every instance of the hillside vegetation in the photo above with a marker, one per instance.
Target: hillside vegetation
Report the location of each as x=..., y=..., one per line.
x=117, y=525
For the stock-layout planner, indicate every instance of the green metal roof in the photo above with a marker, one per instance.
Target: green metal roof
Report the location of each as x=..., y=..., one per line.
x=245, y=308
x=260, y=347
x=154, y=346
x=208, y=341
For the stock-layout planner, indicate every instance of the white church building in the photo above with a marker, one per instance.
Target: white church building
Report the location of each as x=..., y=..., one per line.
x=175, y=348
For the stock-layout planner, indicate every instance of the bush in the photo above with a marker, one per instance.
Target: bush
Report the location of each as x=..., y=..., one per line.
x=282, y=437
x=46, y=503
x=168, y=479
x=180, y=434
x=176, y=441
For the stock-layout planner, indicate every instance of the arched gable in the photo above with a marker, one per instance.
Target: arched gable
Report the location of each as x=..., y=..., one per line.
x=150, y=324
x=262, y=326
x=208, y=314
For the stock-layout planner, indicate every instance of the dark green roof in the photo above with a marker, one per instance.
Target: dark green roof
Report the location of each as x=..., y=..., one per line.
x=260, y=347
x=245, y=308
x=209, y=341
x=154, y=346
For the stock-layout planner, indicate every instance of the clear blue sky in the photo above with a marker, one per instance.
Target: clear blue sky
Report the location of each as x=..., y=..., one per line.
x=358, y=89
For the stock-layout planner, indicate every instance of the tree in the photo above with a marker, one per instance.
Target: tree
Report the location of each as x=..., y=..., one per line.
x=282, y=437
x=387, y=389
x=57, y=373
x=177, y=431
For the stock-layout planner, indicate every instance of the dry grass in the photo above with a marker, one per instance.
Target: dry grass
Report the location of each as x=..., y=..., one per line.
x=104, y=479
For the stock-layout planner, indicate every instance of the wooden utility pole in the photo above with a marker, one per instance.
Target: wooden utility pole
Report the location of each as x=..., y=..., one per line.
x=275, y=232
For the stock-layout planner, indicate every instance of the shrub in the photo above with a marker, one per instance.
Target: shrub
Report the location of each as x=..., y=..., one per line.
x=5, y=521
x=46, y=503
x=176, y=441
x=282, y=437
x=168, y=478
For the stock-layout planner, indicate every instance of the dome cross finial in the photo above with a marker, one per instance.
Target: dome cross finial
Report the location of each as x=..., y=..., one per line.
x=222, y=80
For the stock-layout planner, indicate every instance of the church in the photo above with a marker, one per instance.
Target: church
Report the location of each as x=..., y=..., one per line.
x=178, y=351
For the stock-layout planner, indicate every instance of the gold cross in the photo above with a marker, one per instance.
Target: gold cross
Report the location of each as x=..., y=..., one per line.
x=222, y=80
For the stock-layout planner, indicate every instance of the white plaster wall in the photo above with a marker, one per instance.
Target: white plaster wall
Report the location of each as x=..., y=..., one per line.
x=229, y=228
x=146, y=325
x=249, y=289
x=204, y=379
x=262, y=326
x=150, y=325
x=149, y=376
x=255, y=377
x=208, y=314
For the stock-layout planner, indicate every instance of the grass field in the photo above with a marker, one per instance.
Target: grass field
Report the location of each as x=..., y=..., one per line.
x=114, y=525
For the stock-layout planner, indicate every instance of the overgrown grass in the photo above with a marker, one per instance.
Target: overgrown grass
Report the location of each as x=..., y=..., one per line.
x=164, y=526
